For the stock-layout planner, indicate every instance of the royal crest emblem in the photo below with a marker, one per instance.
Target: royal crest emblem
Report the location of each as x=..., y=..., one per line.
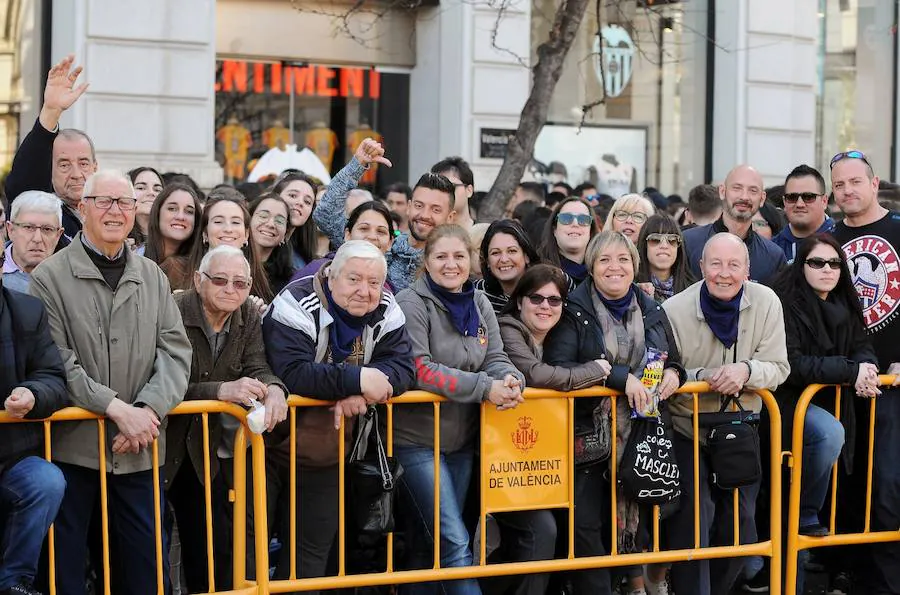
x=525, y=436
x=613, y=59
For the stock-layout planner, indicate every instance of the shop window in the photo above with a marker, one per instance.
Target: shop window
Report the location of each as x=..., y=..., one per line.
x=329, y=110
x=649, y=61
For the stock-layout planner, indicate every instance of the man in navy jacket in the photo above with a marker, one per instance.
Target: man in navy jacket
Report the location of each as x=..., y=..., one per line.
x=742, y=195
x=33, y=386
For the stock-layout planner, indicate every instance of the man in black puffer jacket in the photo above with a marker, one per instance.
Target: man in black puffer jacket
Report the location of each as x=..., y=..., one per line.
x=33, y=386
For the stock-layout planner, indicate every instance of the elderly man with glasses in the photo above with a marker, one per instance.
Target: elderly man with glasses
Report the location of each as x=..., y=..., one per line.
x=34, y=228
x=127, y=357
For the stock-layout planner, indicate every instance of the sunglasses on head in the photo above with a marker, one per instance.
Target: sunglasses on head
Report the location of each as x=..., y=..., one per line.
x=673, y=239
x=819, y=263
x=849, y=155
x=537, y=299
x=570, y=218
x=807, y=197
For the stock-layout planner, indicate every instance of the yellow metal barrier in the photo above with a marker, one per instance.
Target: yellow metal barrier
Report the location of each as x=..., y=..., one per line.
x=770, y=548
x=797, y=542
x=204, y=409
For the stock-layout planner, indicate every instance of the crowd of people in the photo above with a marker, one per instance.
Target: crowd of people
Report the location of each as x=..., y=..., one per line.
x=125, y=294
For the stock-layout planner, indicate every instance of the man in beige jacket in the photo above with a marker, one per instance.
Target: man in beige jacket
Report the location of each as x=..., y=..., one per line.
x=127, y=356
x=730, y=333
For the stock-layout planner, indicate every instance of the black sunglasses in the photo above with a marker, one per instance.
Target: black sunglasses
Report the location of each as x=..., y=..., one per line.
x=819, y=263
x=850, y=155
x=807, y=197
x=537, y=299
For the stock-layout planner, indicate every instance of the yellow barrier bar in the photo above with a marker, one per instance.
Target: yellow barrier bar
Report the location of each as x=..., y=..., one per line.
x=482, y=495
x=518, y=568
x=797, y=542
x=834, y=469
x=207, y=500
x=571, y=481
x=292, y=472
x=871, y=466
x=157, y=518
x=342, y=521
x=51, y=541
x=696, y=422
x=613, y=471
x=104, y=513
x=239, y=547
x=389, y=563
x=437, y=486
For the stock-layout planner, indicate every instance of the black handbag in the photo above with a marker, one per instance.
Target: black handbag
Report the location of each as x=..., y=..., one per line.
x=371, y=480
x=593, y=440
x=733, y=445
x=648, y=470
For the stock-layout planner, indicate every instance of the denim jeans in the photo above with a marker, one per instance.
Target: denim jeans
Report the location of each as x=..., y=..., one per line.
x=30, y=494
x=823, y=438
x=418, y=483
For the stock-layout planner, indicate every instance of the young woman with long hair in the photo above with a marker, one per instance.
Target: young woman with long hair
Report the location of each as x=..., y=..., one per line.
x=664, y=270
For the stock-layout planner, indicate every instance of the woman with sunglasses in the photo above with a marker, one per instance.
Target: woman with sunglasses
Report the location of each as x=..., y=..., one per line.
x=663, y=271
x=826, y=343
x=628, y=215
x=506, y=253
x=609, y=317
x=269, y=228
x=569, y=229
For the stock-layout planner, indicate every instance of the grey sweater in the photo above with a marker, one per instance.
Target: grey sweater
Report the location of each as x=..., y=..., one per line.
x=519, y=344
x=451, y=365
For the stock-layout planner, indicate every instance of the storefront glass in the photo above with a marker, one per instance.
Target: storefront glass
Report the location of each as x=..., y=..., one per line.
x=262, y=106
x=857, y=56
x=648, y=60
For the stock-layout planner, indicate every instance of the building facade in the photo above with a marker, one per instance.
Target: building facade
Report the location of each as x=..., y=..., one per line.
x=680, y=91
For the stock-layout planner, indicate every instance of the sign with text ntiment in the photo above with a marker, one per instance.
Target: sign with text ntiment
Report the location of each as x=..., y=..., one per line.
x=525, y=456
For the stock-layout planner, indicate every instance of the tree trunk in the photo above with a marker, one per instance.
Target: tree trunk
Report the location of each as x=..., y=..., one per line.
x=550, y=58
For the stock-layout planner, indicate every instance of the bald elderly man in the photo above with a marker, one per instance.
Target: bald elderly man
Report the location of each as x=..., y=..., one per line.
x=730, y=333
x=742, y=195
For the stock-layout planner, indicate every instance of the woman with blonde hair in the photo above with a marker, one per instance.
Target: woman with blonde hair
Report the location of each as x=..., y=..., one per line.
x=628, y=215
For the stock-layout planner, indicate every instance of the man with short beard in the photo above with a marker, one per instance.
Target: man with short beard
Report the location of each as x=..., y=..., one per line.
x=432, y=204
x=54, y=160
x=742, y=196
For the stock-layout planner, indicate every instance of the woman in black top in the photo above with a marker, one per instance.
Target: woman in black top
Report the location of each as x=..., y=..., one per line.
x=506, y=252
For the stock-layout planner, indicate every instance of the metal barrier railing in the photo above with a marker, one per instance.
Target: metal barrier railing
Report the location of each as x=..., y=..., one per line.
x=204, y=409
x=770, y=548
x=796, y=542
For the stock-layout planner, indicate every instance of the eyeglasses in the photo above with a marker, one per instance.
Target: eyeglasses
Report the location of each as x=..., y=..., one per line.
x=536, y=299
x=638, y=218
x=760, y=223
x=570, y=218
x=807, y=197
x=48, y=231
x=850, y=155
x=819, y=263
x=238, y=284
x=264, y=216
x=673, y=239
x=104, y=203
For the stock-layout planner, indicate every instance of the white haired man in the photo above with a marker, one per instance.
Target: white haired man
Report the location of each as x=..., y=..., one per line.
x=34, y=228
x=127, y=357
x=338, y=336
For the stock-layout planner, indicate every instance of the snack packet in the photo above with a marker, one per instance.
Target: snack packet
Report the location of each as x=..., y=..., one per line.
x=650, y=378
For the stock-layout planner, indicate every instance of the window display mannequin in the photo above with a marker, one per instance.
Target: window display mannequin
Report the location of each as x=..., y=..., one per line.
x=276, y=136
x=236, y=142
x=362, y=132
x=615, y=178
x=323, y=142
